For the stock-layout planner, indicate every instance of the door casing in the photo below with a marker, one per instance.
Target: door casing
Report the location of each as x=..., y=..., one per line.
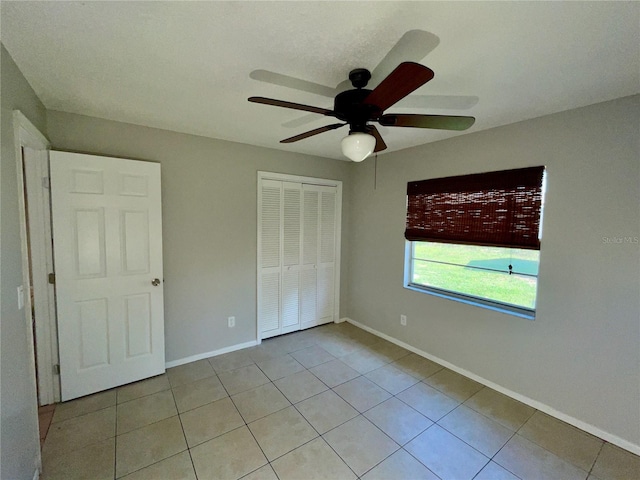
x=27, y=135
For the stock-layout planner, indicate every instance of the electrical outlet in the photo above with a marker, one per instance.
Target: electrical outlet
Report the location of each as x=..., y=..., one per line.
x=403, y=320
x=231, y=321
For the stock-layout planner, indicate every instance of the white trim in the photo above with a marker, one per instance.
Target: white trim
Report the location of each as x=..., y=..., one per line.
x=26, y=134
x=476, y=302
x=609, y=437
x=36, y=170
x=213, y=353
x=284, y=177
x=33, y=137
x=338, y=256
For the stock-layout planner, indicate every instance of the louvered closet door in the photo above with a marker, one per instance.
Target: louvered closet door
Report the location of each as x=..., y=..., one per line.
x=297, y=256
x=308, y=269
x=326, y=255
x=291, y=251
x=269, y=228
x=317, y=282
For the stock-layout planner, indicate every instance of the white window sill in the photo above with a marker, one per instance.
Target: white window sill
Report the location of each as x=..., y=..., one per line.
x=496, y=307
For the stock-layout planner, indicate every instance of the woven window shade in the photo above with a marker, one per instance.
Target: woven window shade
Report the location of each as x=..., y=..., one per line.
x=497, y=209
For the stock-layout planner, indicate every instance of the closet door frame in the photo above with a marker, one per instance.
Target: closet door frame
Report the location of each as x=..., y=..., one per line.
x=338, y=233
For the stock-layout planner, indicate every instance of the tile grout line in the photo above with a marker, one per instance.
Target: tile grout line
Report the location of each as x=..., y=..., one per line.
x=247, y=426
x=595, y=460
x=184, y=434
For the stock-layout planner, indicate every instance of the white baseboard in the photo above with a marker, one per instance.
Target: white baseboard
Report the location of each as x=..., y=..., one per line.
x=213, y=353
x=614, y=439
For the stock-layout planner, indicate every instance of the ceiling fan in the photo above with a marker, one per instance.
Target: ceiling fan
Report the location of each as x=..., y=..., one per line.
x=412, y=46
x=360, y=106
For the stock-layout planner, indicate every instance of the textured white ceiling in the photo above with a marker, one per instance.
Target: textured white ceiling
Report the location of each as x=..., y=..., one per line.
x=185, y=66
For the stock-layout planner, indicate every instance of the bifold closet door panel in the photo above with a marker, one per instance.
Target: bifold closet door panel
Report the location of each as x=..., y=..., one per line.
x=291, y=253
x=310, y=245
x=326, y=255
x=269, y=272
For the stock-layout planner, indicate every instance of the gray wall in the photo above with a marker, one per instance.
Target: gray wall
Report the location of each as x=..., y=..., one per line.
x=581, y=354
x=209, y=197
x=19, y=425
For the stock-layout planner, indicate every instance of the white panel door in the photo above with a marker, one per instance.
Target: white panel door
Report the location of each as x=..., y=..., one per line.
x=107, y=233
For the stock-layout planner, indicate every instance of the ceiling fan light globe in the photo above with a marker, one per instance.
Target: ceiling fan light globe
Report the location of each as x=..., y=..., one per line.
x=358, y=146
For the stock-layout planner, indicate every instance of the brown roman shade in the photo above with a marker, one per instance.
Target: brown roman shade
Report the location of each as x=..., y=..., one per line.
x=497, y=209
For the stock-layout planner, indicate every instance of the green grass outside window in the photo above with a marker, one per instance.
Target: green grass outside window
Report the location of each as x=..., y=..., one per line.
x=478, y=271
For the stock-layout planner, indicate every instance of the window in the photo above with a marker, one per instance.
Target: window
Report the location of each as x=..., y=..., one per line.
x=476, y=272
x=476, y=238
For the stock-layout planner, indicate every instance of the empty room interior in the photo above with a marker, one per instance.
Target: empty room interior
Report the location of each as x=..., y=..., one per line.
x=320, y=240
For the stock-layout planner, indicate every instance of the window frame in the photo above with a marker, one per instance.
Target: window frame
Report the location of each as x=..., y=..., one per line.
x=522, y=312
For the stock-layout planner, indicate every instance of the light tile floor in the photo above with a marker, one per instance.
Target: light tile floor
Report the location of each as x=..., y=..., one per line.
x=333, y=402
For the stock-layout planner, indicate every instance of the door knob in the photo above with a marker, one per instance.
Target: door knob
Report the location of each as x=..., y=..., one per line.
x=155, y=282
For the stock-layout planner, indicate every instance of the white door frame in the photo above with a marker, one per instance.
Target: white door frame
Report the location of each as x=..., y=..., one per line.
x=27, y=135
x=311, y=181
x=36, y=174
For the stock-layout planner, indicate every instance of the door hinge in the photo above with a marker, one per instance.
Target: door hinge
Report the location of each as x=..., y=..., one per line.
x=46, y=182
x=52, y=278
x=56, y=369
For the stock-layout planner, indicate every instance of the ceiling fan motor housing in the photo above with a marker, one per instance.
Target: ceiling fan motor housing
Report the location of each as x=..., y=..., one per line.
x=349, y=107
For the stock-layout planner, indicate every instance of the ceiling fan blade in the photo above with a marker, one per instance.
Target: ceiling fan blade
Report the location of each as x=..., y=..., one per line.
x=413, y=46
x=380, y=145
x=292, y=82
x=441, y=122
x=295, y=106
x=406, y=78
x=445, y=102
x=311, y=133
